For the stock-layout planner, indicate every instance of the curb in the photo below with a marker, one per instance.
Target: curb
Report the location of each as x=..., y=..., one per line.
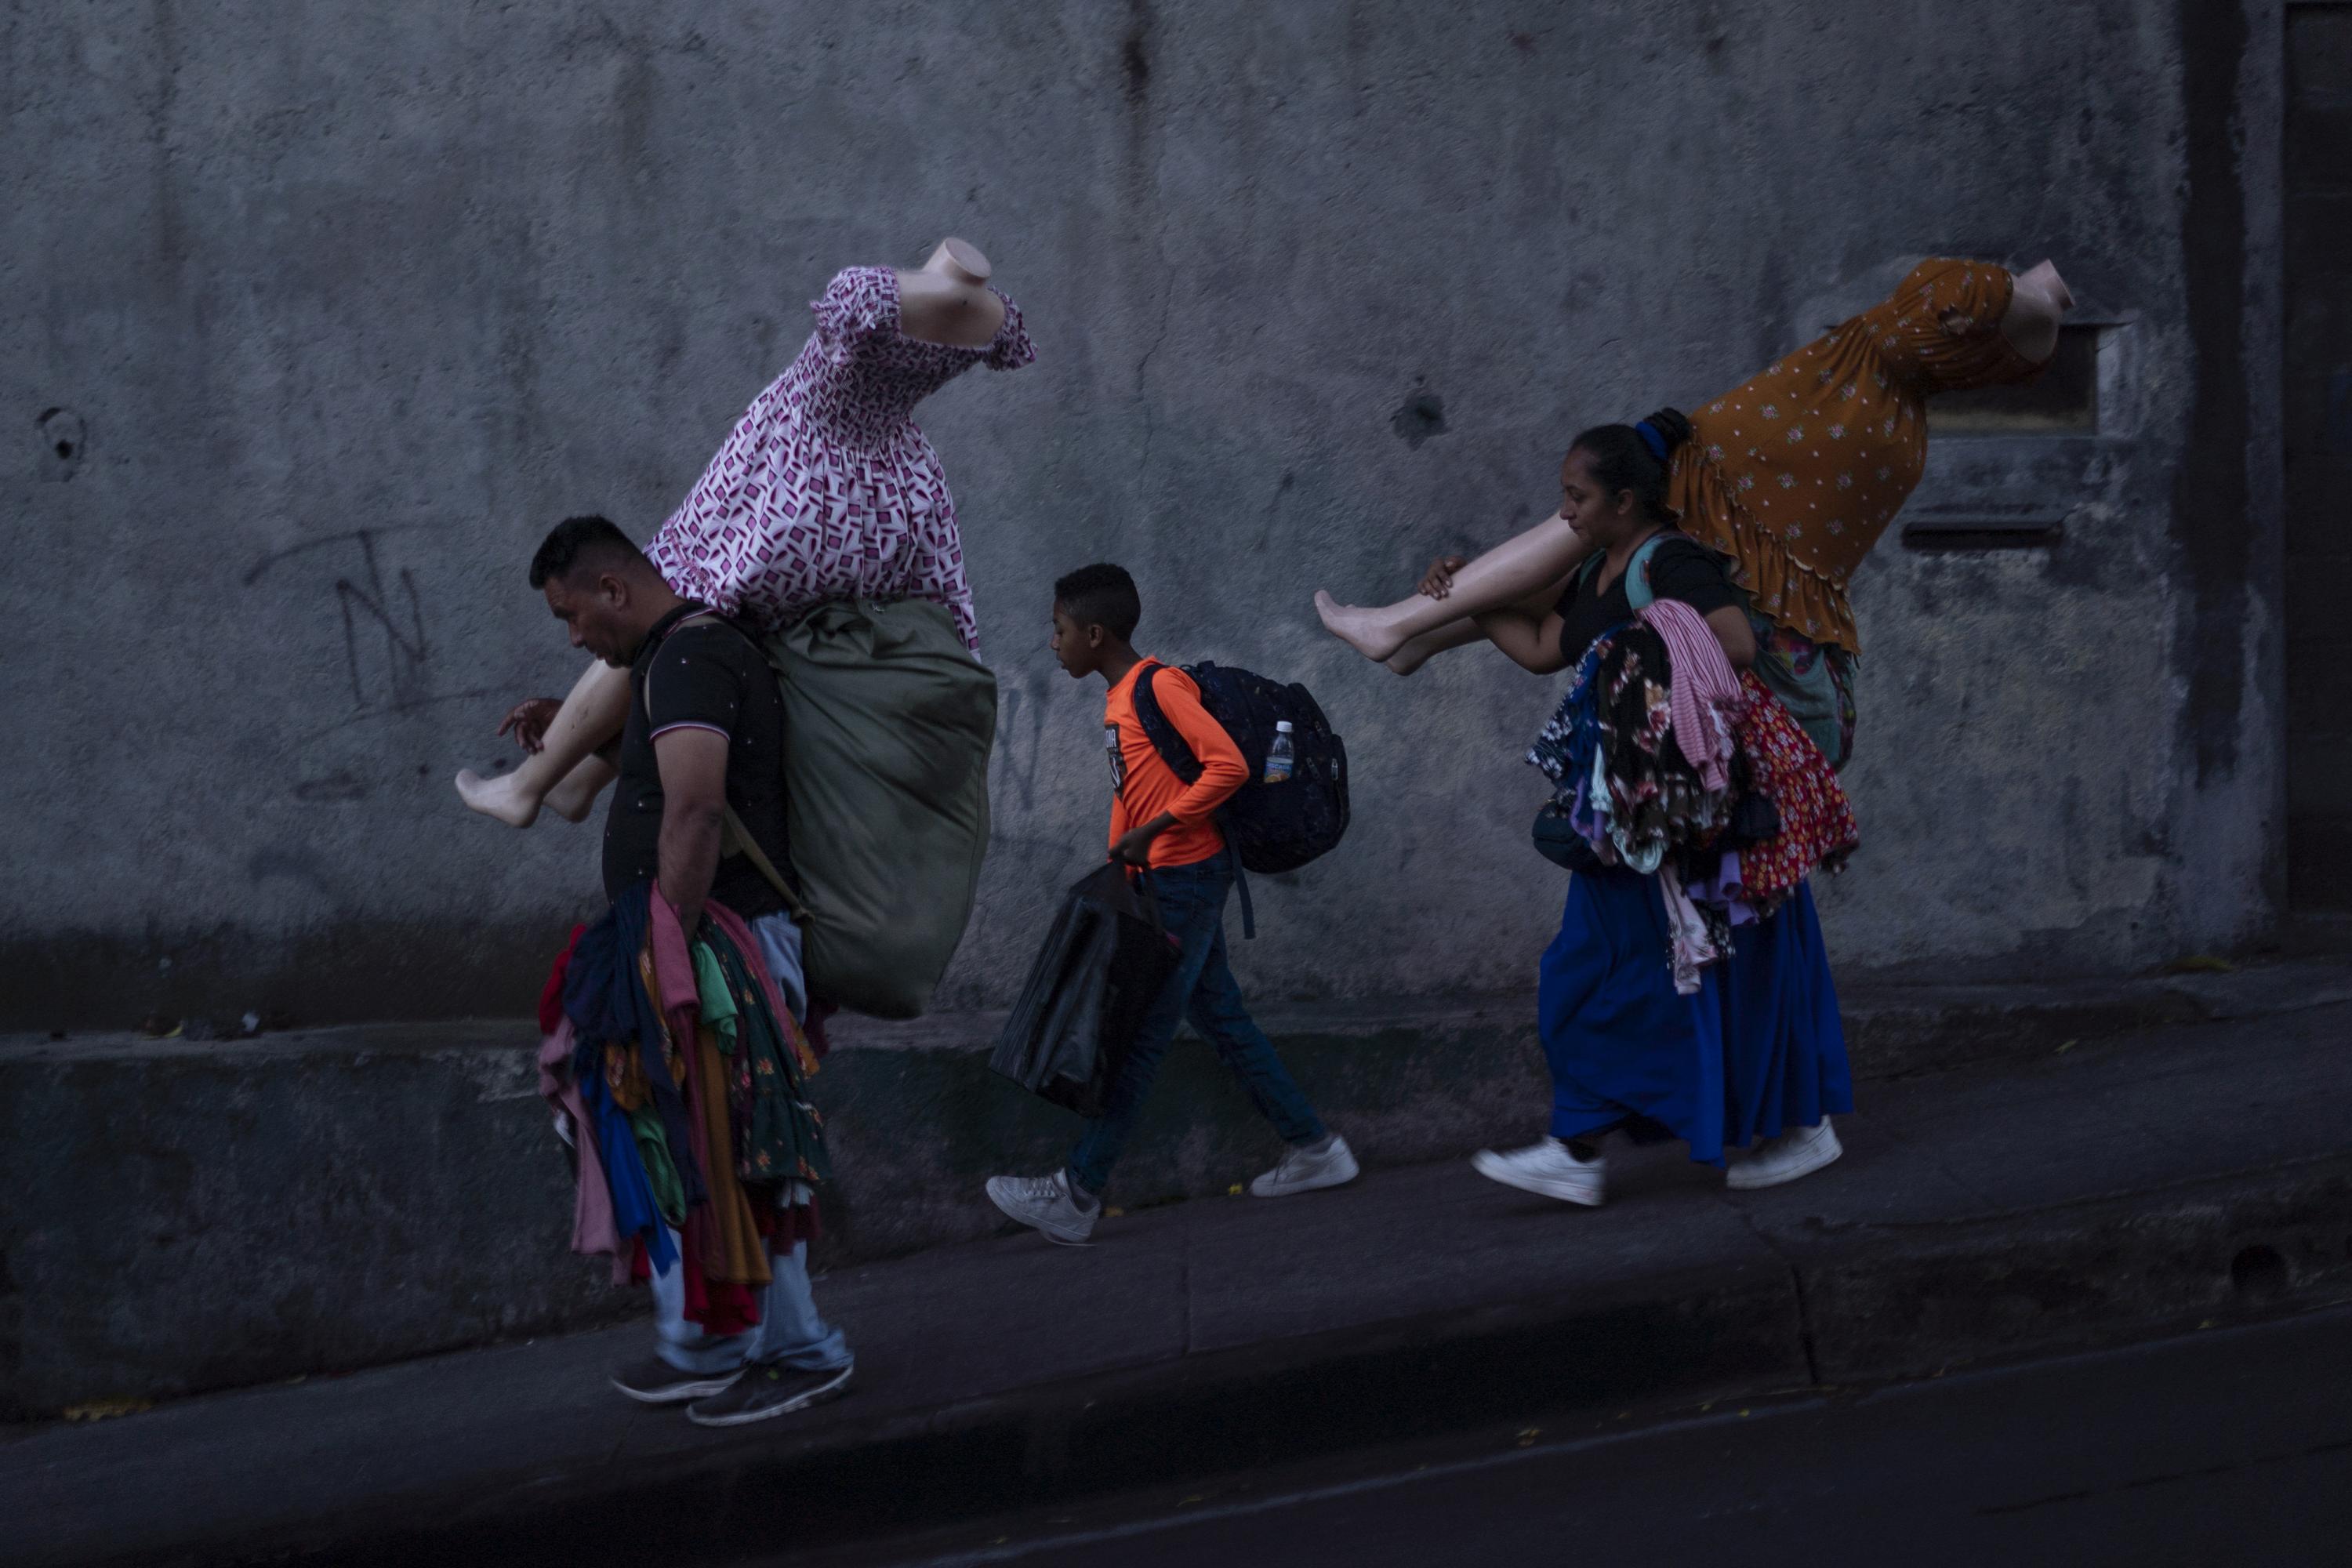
x=1848, y=1304
x=258, y=1289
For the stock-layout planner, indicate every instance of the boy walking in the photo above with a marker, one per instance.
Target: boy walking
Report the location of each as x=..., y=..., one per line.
x=1163, y=825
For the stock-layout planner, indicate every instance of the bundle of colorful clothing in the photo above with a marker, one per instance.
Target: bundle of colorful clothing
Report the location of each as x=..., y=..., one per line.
x=1664, y=762
x=680, y=1071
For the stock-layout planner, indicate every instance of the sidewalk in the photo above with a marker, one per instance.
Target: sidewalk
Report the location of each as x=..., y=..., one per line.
x=2095, y=1191
x=323, y=1200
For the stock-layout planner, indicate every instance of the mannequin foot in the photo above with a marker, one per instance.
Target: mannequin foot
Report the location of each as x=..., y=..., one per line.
x=498, y=797
x=572, y=799
x=1406, y=659
x=1359, y=627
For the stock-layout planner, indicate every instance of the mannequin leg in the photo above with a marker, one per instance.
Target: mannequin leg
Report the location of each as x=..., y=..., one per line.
x=1519, y=634
x=574, y=797
x=1418, y=651
x=1510, y=572
x=589, y=717
x=2037, y=303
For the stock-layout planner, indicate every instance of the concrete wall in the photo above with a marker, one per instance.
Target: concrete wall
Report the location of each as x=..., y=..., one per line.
x=339, y=306
x=2318, y=439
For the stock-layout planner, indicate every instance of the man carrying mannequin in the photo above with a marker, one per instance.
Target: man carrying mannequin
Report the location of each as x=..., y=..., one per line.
x=702, y=745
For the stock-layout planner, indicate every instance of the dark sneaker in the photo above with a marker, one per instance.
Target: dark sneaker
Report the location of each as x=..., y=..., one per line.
x=654, y=1380
x=765, y=1391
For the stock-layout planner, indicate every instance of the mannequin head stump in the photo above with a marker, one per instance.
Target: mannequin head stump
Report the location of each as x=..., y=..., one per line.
x=959, y=260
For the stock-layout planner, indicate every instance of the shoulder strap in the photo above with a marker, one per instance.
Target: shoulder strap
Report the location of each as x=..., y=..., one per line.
x=734, y=839
x=1163, y=736
x=1637, y=572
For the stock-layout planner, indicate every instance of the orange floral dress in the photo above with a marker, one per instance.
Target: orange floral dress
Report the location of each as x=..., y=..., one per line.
x=1795, y=473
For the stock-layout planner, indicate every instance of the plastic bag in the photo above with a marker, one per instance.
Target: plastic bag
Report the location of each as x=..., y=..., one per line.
x=1105, y=962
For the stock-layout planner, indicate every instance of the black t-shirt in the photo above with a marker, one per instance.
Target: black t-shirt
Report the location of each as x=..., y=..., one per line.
x=1681, y=568
x=704, y=674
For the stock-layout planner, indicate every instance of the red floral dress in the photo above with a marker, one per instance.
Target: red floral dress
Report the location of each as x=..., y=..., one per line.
x=1817, y=825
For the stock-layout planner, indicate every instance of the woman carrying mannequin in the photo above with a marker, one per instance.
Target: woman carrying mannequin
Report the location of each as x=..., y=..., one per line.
x=826, y=489
x=1793, y=476
x=1753, y=1052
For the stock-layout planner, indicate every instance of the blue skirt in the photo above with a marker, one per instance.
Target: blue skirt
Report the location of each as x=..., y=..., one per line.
x=1758, y=1049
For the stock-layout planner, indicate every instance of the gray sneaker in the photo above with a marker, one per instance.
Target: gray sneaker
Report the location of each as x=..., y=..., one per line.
x=1047, y=1204
x=1329, y=1164
x=765, y=1391
x=654, y=1380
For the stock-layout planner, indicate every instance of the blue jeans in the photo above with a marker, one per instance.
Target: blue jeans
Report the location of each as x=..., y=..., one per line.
x=1193, y=905
x=791, y=1332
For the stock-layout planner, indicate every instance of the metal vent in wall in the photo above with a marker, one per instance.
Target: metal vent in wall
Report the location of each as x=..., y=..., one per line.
x=1984, y=526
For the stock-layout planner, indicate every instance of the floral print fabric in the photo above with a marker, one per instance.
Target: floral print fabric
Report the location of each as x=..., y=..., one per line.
x=1639, y=803
x=1626, y=789
x=1796, y=472
x=1817, y=825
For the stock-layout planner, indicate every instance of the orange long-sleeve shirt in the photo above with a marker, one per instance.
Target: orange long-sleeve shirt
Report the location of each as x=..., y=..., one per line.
x=1146, y=787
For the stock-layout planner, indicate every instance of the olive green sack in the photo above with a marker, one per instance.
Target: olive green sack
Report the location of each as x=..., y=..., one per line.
x=888, y=723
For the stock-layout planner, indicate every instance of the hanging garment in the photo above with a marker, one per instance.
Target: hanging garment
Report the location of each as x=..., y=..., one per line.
x=1690, y=939
x=1605, y=750
x=609, y=1004
x=826, y=489
x=1705, y=693
x=594, y=1232
x=701, y=1015
x=1817, y=825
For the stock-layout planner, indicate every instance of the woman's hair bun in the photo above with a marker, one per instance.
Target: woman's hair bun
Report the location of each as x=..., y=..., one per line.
x=1673, y=427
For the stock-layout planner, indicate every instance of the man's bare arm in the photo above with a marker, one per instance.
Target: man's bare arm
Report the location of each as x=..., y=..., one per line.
x=693, y=764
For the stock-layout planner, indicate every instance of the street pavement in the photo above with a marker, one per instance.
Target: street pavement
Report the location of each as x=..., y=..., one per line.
x=2085, y=1194
x=2227, y=1447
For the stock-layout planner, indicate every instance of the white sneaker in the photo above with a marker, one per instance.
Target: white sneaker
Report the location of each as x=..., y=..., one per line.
x=1800, y=1151
x=1548, y=1168
x=1046, y=1203
x=1329, y=1164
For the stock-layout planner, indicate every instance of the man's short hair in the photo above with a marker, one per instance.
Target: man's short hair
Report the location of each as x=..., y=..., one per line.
x=1101, y=595
x=578, y=542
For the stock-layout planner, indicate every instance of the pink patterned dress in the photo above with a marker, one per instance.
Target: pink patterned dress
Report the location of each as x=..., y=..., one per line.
x=826, y=489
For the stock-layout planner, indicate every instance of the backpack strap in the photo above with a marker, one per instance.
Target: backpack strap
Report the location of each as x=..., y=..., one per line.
x=1638, y=595
x=1637, y=572
x=734, y=839
x=1163, y=736
x=1178, y=755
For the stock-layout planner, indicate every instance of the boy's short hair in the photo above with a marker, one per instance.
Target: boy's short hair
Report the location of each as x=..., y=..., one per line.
x=578, y=541
x=1101, y=595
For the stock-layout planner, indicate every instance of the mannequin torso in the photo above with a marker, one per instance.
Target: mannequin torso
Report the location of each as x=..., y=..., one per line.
x=946, y=300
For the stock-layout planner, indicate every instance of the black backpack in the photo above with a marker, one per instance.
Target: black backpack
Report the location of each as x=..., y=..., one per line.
x=1271, y=827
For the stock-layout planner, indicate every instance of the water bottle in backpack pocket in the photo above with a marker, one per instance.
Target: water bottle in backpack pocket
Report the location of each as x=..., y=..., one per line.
x=1295, y=806
x=1280, y=756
